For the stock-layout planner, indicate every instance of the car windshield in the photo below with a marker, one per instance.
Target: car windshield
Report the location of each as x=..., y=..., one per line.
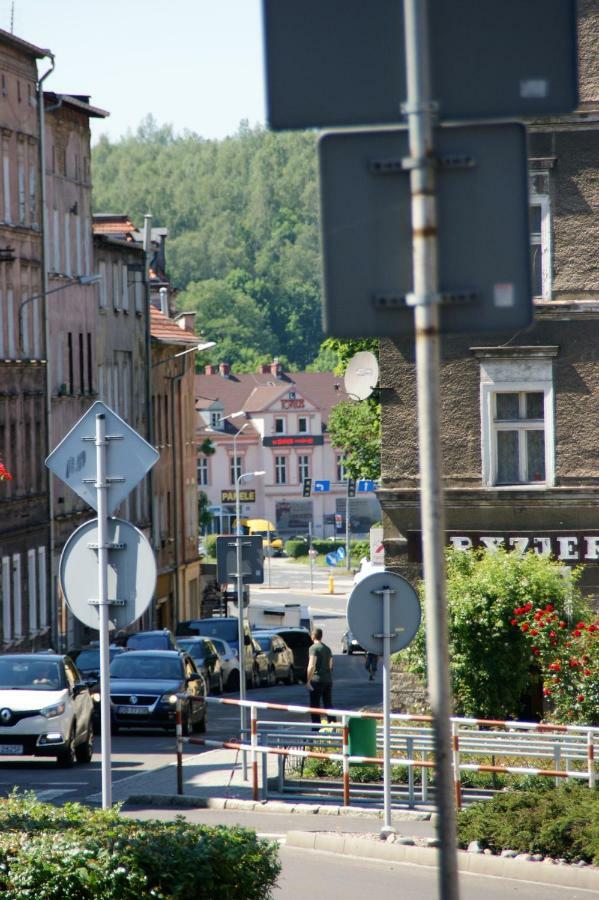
x=90, y=659
x=146, y=667
x=196, y=649
x=220, y=646
x=147, y=642
x=264, y=642
x=222, y=628
x=31, y=675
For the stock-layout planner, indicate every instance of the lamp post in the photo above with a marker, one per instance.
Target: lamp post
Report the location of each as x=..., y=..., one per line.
x=80, y=279
x=240, y=629
x=233, y=415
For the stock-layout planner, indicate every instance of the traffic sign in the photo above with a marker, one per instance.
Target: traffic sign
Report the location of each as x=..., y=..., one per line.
x=365, y=612
x=129, y=457
x=131, y=573
x=365, y=486
x=331, y=559
x=312, y=553
x=252, y=558
x=342, y=62
x=483, y=239
x=321, y=487
x=340, y=553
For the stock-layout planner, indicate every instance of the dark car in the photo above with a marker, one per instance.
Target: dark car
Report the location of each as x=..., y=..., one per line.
x=349, y=644
x=88, y=660
x=299, y=642
x=145, y=684
x=225, y=628
x=207, y=660
x=260, y=666
x=279, y=656
x=151, y=640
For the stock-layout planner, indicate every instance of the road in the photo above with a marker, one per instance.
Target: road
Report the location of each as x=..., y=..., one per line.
x=137, y=751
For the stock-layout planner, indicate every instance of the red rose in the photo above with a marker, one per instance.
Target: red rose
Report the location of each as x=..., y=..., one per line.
x=533, y=631
x=549, y=608
x=525, y=626
x=580, y=698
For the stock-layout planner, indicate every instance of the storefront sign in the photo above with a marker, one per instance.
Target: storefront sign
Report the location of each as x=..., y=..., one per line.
x=300, y=440
x=569, y=547
x=245, y=496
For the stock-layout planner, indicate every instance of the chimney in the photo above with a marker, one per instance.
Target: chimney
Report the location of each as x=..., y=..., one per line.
x=263, y=369
x=164, y=302
x=186, y=320
x=225, y=369
x=276, y=368
x=211, y=370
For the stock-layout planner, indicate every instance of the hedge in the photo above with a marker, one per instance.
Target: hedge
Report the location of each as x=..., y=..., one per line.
x=83, y=854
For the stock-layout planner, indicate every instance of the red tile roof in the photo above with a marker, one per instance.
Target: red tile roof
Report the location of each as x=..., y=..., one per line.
x=166, y=331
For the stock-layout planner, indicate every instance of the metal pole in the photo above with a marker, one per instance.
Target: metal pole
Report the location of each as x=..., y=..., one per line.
x=179, y=733
x=311, y=557
x=101, y=490
x=387, y=827
x=347, y=531
x=254, y=756
x=419, y=112
x=147, y=246
x=269, y=551
x=240, y=630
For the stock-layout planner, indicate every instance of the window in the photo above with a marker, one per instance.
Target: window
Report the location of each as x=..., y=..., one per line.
x=279, y=426
x=21, y=187
x=202, y=471
x=103, y=286
x=234, y=468
x=280, y=469
x=517, y=417
x=303, y=467
x=216, y=418
x=6, y=600
x=32, y=589
x=6, y=185
x=540, y=246
x=340, y=468
x=32, y=196
x=302, y=425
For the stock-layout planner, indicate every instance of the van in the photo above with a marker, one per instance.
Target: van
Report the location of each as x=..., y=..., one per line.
x=273, y=615
x=271, y=542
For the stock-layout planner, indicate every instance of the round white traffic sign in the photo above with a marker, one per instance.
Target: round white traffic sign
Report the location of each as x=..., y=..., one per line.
x=131, y=573
x=312, y=553
x=365, y=611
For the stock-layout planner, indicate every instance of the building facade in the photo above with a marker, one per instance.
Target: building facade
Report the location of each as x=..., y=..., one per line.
x=519, y=428
x=282, y=432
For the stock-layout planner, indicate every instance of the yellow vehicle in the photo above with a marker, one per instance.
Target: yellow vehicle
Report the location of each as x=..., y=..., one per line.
x=270, y=541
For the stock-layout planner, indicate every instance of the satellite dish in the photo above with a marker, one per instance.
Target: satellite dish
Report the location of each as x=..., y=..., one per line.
x=361, y=375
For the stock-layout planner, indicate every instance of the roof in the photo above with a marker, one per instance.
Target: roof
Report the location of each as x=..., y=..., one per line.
x=120, y=225
x=80, y=102
x=256, y=392
x=7, y=38
x=166, y=331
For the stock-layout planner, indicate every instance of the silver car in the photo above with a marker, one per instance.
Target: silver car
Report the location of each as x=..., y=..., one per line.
x=229, y=662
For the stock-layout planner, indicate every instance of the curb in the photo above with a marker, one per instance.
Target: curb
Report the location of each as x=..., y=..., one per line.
x=176, y=801
x=474, y=864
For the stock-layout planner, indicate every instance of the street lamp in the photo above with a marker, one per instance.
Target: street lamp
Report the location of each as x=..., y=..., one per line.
x=79, y=279
x=240, y=630
x=206, y=345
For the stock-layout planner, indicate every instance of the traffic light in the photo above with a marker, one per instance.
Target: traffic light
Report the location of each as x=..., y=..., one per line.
x=351, y=487
x=307, y=487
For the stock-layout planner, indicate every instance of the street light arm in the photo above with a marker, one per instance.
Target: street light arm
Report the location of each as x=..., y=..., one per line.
x=80, y=279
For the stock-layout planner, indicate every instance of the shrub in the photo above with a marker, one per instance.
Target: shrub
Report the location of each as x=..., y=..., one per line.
x=210, y=545
x=296, y=548
x=359, y=549
x=323, y=545
x=81, y=853
x=561, y=822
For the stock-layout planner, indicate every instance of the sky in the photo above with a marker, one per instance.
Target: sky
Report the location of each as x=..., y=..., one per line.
x=194, y=64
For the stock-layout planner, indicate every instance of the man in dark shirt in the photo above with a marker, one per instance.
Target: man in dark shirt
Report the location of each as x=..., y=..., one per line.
x=319, y=680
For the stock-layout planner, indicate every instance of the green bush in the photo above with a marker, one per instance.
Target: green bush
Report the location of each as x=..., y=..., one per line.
x=80, y=853
x=327, y=546
x=359, y=550
x=210, y=545
x=560, y=822
x=296, y=548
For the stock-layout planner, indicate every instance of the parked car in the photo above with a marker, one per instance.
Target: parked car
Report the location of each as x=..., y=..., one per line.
x=350, y=645
x=279, y=656
x=162, y=639
x=205, y=655
x=260, y=666
x=299, y=642
x=225, y=628
x=45, y=708
x=87, y=659
x=229, y=661
x=145, y=684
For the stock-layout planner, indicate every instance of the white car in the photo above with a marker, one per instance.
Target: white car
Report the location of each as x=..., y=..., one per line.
x=229, y=662
x=45, y=708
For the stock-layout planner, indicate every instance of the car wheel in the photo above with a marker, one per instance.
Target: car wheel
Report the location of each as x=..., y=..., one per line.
x=233, y=681
x=291, y=675
x=66, y=758
x=85, y=750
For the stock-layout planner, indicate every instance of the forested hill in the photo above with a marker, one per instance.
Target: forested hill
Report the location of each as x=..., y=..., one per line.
x=242, y=216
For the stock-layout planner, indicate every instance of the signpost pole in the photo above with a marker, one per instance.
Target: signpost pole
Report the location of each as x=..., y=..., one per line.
x=347, y=564
x=311, y=557
x=240, y=629
x=425, y=298
x=387, y=827
x=269, y=549
x=102, y=489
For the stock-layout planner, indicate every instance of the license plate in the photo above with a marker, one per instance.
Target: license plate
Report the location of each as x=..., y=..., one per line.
x=133, y=710
x=11, y=749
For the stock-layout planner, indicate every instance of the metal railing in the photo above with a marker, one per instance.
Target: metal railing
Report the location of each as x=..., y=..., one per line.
x=571, y=749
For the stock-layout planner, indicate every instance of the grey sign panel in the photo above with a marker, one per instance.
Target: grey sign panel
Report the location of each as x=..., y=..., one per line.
x=365, y=611
x=129, y=457
x=131, y=573
x=342, y=62
x=484, y=254
x=252, y=558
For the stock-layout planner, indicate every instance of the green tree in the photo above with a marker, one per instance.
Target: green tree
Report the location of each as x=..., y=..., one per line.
x=204, y=514
x=490, y=659
x=355, y=429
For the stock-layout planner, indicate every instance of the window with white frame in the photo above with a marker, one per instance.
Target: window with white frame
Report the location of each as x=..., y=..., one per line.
x=303, y=467
x=518, y=420
x=279, y=425
x=340, y=468
x=302, y=425
x=280, y=470
x=234, y=468
x=202, y=471
x=216, y=418
x=540, y=236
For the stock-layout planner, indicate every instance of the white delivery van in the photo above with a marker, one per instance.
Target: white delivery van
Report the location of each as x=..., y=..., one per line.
x=273, y=615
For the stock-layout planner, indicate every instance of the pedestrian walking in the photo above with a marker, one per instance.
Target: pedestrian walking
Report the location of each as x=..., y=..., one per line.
x=319, y=679
x=372, y=662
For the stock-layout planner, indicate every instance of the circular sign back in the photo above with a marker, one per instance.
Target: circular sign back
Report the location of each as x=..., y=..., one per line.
x=365, y=611
x=131, y=573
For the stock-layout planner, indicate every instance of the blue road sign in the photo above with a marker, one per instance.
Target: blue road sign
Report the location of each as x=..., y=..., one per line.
x=365, y=486
x=340, y=553
x=332, y=559
x=321, y=487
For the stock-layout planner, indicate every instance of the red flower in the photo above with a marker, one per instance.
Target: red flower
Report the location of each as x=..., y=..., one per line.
x=527, y=606
x=513, y=621
x=533, y=631
x=525, y=626
x=552, y=634
x=4, y=473
x=535, y=650
x=547, y=691
x=587, y=671
x=581, y=625
x=580, y=698
x=562, y=625
x=549, y=608
x=592, y=628
x=555, y=667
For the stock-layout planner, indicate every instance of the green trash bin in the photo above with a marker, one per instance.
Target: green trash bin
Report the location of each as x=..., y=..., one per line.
x=362, y=738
